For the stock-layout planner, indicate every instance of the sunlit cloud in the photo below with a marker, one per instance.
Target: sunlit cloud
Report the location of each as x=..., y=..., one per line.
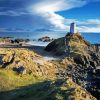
x=47, y=10
x=93, y=22
x=89, y=29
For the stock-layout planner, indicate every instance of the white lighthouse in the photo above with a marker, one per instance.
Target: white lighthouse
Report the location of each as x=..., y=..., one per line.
x=72, y=28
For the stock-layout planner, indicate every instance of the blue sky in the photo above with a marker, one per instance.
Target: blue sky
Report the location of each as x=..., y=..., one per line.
x=88, y=11
x=52, y=15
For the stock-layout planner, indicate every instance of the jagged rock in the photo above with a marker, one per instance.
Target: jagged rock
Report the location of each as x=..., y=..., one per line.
x=19, y=41
x=20, y=70
x=1, y=59
x=93, y=63
x=45, y=39
x=51, y=46
x=86, y=59
x=9, y=60
x=79, y=60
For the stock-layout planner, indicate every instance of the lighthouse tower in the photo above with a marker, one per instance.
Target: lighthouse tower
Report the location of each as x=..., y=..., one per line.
x=72, y=28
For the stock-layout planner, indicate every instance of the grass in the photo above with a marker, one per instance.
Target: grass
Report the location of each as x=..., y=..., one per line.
x=23, y=57
x=36, y=85
x=10, y=80
x=45, y=90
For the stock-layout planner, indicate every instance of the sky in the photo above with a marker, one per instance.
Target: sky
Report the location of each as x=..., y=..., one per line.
x=49, y=15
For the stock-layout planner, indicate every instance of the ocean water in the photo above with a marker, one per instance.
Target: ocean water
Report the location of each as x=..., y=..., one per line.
x=91, y=37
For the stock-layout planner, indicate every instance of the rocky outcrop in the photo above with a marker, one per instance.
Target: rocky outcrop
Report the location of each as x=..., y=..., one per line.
x=86, y=71
x=9, y=61
x=46, y=39
x=19, y=41
x=1, y=59
x=68, y=44
x=85, y=61
x=57, y=46
x=7, y=40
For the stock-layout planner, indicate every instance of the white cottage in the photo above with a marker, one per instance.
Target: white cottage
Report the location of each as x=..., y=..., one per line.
x=72, y=28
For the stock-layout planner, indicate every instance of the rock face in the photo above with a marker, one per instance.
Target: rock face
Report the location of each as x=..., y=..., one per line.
x=19, y=41
x=9, y=60
x=86, y=71
x=85, y=57
x=1, y=59
x=20, y=70
x=8, y=40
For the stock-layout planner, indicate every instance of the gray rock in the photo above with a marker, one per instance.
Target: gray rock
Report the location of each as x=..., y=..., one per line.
x=79, y=60
x=20, y=70
x=46, y=39
x=1, y=59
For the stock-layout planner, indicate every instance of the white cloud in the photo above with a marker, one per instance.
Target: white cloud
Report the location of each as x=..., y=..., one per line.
x=90, y=25
x=45, y=15
x=88, y=29
x=93, y=22
x=47, y=10
x=57, y=5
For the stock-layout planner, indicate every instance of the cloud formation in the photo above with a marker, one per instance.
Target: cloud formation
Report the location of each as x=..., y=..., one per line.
x=47, y=10
x=45, y=13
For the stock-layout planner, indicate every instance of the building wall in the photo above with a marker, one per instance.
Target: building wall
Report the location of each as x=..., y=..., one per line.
x=73, y=28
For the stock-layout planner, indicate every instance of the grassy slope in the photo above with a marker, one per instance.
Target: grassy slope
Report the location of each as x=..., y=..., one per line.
x=36, y=71
x=11, y=80
x=48, y=90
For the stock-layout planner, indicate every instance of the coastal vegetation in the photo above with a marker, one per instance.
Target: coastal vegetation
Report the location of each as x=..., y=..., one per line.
x=26, y=75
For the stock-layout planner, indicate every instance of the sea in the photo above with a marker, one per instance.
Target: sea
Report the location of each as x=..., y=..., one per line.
x=93, y=38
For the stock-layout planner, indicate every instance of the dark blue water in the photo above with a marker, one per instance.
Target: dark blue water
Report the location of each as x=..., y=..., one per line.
x=91, y=37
